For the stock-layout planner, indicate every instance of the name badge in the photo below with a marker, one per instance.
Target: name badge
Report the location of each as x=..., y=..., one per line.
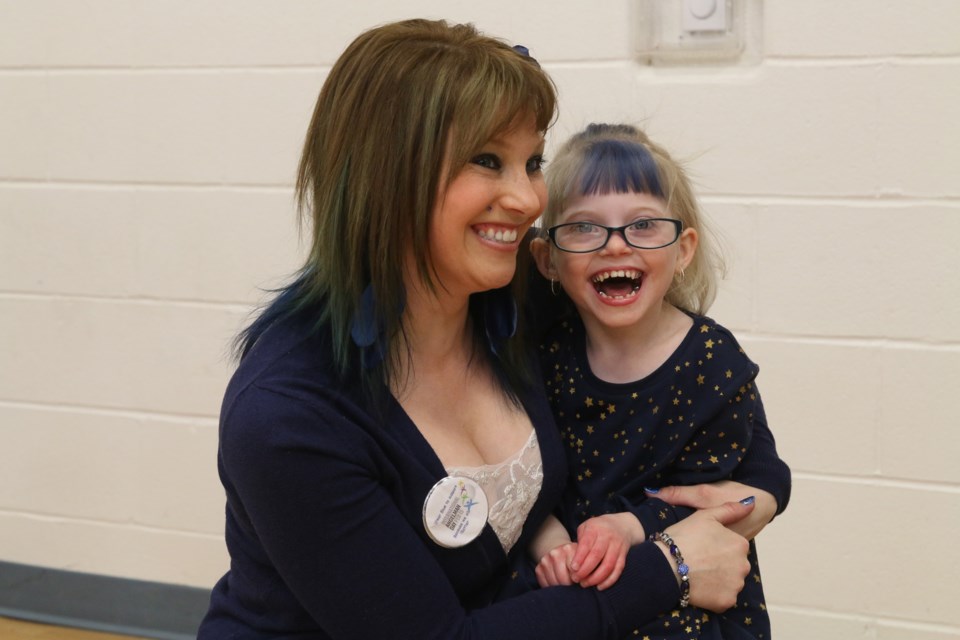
x=455, y=511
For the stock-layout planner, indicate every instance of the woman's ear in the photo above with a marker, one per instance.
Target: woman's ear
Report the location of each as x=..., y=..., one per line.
x=540, y=249
x=687, y=244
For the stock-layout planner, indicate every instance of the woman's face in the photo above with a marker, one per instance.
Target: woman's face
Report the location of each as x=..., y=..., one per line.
x=482, y=215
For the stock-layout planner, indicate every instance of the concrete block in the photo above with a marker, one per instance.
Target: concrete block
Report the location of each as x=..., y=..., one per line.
x=733, y=228
x=860, y=28
x=918, y=146
x=76, y=241
x=26, y=147
x=791, y=624
x=61, y=33
x=113, y=354
x=116, y=550
x=832, y=269
x=824, y=416
x=917, y=432
x=849, y=546
x=124, y=469
x=215, y=245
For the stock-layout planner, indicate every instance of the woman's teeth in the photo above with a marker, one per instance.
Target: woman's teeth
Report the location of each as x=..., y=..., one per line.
x=500, y=235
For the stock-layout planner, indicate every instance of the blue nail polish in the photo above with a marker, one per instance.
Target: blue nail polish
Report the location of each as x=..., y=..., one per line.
x=748, y=500
x=650, y=490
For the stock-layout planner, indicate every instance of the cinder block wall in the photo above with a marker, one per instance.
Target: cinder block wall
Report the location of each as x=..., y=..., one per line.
x=147, y=151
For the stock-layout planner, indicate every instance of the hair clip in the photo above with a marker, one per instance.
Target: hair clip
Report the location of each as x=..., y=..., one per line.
x=525, y=52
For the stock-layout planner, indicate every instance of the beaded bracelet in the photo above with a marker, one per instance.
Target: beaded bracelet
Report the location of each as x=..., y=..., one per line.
x=682, y=569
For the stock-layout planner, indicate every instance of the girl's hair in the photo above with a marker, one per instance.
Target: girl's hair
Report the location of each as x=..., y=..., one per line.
x=402, y=103
x=619, y=158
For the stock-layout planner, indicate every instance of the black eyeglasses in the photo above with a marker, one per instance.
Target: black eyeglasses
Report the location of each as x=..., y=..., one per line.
x=584, y=237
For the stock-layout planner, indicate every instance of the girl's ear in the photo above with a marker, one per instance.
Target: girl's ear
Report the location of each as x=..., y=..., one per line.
x=688, y=246
x=540, y=249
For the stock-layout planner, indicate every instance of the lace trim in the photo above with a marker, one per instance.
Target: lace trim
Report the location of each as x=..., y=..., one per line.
x=512, y=487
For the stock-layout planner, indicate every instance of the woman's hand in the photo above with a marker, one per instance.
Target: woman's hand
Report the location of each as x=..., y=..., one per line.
x=714, y=494
x=716, y=556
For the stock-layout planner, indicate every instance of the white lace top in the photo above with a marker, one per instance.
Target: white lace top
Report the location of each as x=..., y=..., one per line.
x=512, y=487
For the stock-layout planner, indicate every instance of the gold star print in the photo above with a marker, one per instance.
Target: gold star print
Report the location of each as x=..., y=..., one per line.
x=589, y=401
x=729, y=373
x=734, y=446
x=612, y=408
x=710, y=356
x=689, y=630
x=705, y=618
x=703, y=329
x=656, y=410
x=676, y=401
x=579, y=442
x=674, y=614
x=603, y=416
x=748, y=621
x=700, y=379
x=588, y=473
x=756, y=578
x=714, y=459
x=590, y=428
x=595, y=453
x=721, y=434
x=634, y=396
x=677, y=368
x=708, y=344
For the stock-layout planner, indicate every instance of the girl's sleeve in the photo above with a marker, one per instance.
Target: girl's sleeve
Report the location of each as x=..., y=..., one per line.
x=346, y=550
x=762, y=467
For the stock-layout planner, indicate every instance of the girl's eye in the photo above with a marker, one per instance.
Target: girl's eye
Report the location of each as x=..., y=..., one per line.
x=535, y=164
x=583, y=227
x=487, y=161
x=642, y=225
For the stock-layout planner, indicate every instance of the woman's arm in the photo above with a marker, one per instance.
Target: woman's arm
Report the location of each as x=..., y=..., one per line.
x=761, y=473
x=349, y=553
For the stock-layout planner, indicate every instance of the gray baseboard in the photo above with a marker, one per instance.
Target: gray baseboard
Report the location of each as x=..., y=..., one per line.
x=102, y=603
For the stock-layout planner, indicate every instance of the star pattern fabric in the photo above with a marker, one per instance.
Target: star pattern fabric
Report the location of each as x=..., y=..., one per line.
x=689, y=422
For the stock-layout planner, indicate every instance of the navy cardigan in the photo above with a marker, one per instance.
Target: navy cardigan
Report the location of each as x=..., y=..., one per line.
x=324, y=525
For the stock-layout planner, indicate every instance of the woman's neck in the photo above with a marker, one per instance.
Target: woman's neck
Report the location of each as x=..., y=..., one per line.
x=436, y=336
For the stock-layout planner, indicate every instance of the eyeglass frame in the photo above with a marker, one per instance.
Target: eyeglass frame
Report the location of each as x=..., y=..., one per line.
x=678, y=225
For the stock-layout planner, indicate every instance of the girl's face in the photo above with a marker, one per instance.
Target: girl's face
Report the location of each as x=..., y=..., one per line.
x=618, y=285
x=482, y=215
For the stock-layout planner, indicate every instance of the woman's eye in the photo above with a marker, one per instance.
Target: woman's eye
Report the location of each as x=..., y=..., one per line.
x=487, y=161
x=535, y=164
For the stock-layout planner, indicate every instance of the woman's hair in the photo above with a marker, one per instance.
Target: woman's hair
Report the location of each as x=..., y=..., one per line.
x=619, y=158
x=404, y=102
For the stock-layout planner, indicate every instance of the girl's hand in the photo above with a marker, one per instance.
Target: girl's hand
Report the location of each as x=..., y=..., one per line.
x=714, y=494
x=554, y=567
x=603, y=542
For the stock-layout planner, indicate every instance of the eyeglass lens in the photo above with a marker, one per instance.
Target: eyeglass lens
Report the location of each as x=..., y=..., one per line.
x=650, y=233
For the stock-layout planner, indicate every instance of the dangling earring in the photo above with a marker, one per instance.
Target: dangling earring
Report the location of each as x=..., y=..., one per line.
x=681, y=276
x=553, y=289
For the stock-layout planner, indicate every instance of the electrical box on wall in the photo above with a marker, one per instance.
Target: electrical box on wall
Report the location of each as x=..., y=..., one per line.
x=697, y=31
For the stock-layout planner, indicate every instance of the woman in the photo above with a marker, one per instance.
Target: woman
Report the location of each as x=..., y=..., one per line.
x=381, y=395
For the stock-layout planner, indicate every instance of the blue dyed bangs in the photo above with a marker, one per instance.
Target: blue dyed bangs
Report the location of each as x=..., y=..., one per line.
x=618, y=166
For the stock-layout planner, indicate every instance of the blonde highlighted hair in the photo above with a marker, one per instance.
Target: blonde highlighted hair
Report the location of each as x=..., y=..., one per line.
x=620, y=158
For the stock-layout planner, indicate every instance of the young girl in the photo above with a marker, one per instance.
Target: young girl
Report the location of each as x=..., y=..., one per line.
x=647, y=392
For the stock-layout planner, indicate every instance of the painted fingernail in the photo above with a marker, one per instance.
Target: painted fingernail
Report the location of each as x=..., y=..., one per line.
x=651, y=490
x=748, y=500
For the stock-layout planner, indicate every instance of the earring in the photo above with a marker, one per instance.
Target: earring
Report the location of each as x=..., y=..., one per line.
x=553, y=289
x=681, y=275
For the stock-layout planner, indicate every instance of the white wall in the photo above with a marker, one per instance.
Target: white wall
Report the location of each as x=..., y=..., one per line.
x=146, y=158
